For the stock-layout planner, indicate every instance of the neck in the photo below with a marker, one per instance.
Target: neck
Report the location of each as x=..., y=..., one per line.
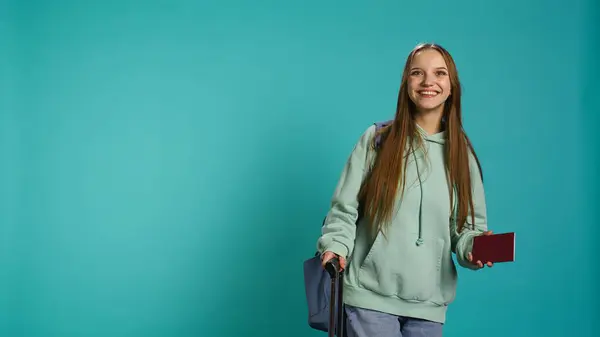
x=430, y=121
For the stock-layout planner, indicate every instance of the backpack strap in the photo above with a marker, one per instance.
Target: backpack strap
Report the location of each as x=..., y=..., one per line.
x=379, y=126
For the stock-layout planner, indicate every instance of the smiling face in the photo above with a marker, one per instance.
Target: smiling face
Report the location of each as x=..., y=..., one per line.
x=428, y=82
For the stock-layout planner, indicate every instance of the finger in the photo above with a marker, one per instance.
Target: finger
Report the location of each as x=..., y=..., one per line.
x=326, y=257
x=342, y=263
x=490, y=264
x=480, y=264
x=470, y=257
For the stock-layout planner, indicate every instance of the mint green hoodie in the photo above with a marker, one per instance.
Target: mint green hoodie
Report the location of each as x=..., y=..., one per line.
x=410, y=271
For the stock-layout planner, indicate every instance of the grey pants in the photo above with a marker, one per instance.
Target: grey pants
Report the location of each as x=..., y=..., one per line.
x=369, y=323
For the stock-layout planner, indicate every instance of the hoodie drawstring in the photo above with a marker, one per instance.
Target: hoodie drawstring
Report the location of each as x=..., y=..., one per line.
x=420, y=240
x=438, y=138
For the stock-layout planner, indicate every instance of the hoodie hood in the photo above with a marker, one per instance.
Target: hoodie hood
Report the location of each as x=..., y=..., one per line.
x=438, y=138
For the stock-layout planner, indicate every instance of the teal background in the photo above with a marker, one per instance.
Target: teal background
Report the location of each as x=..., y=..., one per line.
x=166, y=164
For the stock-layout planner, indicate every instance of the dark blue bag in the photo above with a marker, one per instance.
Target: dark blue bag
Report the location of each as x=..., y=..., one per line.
x=324, y=286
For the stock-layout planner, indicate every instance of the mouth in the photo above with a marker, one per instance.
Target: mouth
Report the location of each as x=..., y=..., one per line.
x=427, y=93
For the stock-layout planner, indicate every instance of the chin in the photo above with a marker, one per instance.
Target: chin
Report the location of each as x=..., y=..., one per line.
x=429, y=107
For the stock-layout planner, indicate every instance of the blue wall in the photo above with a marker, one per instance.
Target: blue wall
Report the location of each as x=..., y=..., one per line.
x=591, y=119
x=166, y=165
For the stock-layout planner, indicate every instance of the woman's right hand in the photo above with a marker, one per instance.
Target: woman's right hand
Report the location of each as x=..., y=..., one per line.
x=330, y=255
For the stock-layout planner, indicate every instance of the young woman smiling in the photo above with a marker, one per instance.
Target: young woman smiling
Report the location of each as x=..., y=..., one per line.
x=403, y=206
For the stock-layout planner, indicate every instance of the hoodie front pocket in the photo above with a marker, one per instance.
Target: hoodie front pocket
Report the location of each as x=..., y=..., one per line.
x=399, y=267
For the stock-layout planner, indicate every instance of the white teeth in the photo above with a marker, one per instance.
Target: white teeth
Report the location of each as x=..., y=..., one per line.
x=428, y=93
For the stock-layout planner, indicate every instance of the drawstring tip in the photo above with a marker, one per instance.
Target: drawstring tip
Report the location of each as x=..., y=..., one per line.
x=419, y=241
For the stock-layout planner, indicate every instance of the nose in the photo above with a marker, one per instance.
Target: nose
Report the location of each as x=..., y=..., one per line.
x=427, y=82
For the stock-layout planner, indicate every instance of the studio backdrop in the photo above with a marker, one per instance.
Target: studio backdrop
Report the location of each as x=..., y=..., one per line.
x=166, y=165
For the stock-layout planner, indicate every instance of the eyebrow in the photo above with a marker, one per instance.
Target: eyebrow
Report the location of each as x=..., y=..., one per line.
x=444, y=68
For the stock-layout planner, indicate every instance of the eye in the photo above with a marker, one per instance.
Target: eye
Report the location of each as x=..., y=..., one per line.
x=441, y=73
x=415, y=73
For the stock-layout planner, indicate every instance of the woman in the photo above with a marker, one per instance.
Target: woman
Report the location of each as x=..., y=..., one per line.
x=404, y=204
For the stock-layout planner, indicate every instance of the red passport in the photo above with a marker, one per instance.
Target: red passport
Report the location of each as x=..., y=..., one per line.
x=494, y=248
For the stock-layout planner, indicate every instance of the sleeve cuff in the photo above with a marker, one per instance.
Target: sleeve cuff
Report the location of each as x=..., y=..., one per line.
x=465, y=246
x=336, y=248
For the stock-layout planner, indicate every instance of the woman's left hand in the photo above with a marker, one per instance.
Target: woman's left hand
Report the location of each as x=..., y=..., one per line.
x=479, y=263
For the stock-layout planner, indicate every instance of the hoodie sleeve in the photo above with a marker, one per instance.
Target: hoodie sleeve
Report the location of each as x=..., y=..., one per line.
x=462, y=243
x=339, y=228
